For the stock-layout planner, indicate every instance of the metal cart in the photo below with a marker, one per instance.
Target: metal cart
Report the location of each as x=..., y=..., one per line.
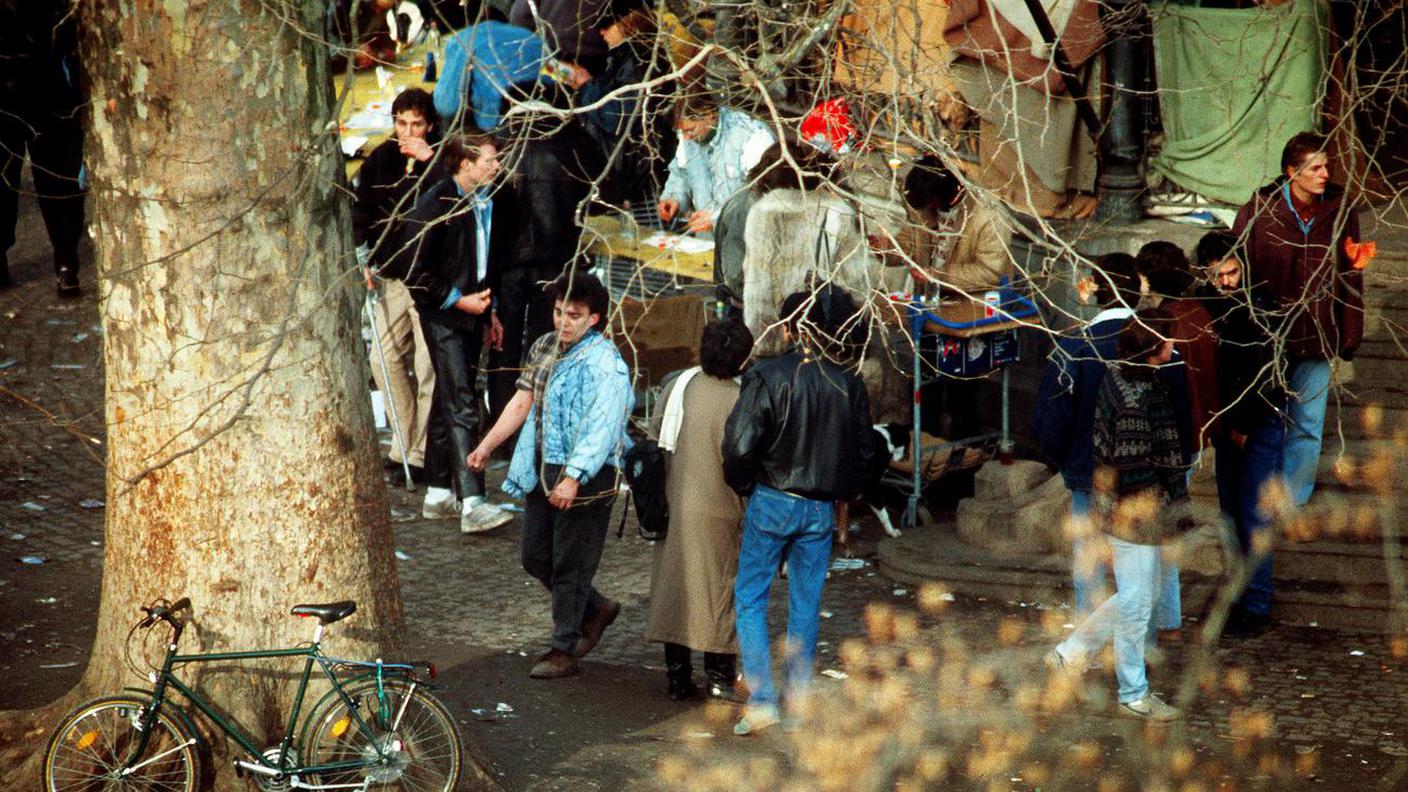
x=974, y=340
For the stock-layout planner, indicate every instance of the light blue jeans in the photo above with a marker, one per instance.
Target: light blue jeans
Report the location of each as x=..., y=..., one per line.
x=1089, y=573
x=1305, y=415
x=1141, y=577
x=778, y=525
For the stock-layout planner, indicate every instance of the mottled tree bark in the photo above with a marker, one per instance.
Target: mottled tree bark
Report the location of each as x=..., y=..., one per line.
x=242, y=466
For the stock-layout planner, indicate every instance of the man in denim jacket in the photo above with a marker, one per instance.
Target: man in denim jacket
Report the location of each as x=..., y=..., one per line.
x=572, y=403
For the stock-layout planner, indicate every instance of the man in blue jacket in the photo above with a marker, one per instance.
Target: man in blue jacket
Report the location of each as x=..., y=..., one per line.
x=572, y=403
x=1065, y=417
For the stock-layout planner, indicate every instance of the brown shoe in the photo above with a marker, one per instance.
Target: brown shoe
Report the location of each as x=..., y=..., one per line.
x=555, y=664
x=595, y=625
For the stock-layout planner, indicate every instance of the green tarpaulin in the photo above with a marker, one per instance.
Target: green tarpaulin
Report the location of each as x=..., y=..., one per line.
x=1234, y=85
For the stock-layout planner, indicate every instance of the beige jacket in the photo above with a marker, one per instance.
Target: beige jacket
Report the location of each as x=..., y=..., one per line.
x=978, y=255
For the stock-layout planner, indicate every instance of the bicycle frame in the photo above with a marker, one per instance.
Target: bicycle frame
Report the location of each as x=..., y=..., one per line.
x=166, y=679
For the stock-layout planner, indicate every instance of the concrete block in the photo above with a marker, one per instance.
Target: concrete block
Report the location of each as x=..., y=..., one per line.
x=995, y=480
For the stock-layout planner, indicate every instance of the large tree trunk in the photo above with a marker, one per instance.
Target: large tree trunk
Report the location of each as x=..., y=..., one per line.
x=242, y=468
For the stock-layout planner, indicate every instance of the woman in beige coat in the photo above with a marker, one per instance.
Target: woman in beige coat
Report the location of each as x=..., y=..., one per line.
x=691, y=584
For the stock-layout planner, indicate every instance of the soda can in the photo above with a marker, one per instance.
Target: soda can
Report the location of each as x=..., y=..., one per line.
x=991, y=300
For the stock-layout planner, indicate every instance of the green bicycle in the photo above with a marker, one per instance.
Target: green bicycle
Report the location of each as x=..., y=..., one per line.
x=378, y=727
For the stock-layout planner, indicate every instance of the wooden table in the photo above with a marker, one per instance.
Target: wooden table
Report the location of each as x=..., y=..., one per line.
x=606, y=236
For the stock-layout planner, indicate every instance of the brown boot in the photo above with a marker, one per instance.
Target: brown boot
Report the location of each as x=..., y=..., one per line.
x=555, y=664
x=595, y=625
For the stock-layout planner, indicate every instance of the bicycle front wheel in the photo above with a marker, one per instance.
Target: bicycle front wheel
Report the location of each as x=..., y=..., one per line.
x=94, y=745
x=403, y=738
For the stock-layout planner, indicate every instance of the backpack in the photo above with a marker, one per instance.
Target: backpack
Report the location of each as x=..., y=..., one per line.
x=644, y=468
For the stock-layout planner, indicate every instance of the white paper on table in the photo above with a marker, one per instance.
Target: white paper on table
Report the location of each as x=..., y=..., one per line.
x=369, y=119
x=678, y=242
x=351, y=144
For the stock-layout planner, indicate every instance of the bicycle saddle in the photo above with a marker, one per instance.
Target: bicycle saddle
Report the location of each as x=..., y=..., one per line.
x=328, y=613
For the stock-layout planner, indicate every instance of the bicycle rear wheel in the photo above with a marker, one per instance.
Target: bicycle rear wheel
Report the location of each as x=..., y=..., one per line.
x=94, y=743
x=417, y=736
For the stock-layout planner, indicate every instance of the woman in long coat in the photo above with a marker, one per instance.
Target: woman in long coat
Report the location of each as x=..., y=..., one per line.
x=691, y=584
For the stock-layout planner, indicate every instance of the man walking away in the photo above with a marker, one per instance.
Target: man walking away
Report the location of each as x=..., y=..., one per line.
x=797, y=441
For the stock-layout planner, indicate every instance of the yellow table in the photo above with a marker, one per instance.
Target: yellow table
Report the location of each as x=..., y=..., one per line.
x=606, y=236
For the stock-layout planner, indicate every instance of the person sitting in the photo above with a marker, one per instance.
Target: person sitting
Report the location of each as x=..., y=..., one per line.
x=717, y=148
x=691, y=580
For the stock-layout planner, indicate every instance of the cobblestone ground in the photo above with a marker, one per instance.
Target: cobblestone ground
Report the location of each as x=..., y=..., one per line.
x=1340, y=696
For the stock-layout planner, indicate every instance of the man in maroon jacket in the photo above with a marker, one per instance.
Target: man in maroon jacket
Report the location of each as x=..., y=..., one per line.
x=1294, y=231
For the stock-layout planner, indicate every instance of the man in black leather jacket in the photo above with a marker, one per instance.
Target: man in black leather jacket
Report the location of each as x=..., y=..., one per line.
x=797, y=441
x=453, y=237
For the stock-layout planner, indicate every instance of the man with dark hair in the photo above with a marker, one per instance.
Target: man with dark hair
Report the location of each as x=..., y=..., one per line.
x=388, y=185
x=951, y=238
x=1065, y=411
x=1294, y=232
x=573, y=400
x=797, y=441
x=452, y=240
x=1251, y=429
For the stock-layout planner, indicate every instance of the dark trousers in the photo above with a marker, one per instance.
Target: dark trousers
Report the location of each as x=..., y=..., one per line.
x=562, y=549
x=455, y=419
x=1242, y=473
x=525, y=311
x=55, y=145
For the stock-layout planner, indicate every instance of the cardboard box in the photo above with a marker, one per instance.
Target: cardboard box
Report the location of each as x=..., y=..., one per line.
x=658, y=336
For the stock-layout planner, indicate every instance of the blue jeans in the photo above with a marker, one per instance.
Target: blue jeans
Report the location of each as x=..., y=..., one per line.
x=1242, y=473
x=777, y=526
x=1300, y=450
x=1127, y=618
x=1089, y=572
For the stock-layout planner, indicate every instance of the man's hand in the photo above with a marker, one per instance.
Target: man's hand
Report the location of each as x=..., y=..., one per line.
x=495, y=337
x=418, y=148
x=667, y=208
x=478, y=459
x=700, y=222
x=475, y=304
x=563, y=494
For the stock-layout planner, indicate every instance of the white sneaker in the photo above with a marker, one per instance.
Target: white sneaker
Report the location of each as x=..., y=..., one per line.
x=1150, y=707
x=481, y=515
x=439, y=504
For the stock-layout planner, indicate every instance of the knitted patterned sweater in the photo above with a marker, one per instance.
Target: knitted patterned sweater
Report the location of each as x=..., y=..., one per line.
x=1141, y=490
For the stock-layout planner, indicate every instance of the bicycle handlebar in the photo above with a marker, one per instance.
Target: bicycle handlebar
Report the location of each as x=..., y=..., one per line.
x=161, y=610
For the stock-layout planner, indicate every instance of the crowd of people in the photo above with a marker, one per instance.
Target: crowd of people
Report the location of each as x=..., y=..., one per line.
x=1231, y=351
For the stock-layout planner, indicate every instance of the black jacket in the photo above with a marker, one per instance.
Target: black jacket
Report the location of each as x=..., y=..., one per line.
x=386, y=193
x=551, y=178
x=1249, y=373
x=635, y=122
x=439, y=239
x=801, y=425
